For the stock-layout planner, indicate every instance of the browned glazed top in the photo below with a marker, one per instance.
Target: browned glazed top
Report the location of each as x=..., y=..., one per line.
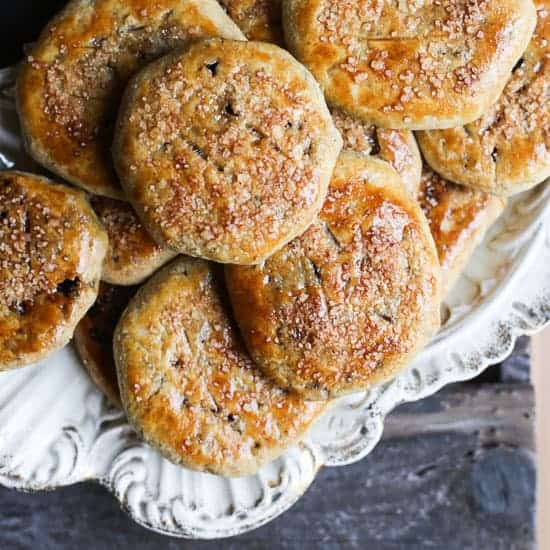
x=349, y=302
x=398, y=147
x=258, y=19
x=187, y=383
x=410, y=64
x=507, y=150
x=70, y=84
x=51, y=251
x=458, y=216
x=133, y=255
x=226, y=149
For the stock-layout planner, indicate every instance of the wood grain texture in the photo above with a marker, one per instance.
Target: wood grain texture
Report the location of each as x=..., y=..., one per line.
x=454, y=471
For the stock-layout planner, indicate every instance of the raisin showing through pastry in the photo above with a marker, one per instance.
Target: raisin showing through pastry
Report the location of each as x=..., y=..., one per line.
x=226, y=149
x=52, y=248
x=189, y=387
x=70, y=84
x=507, y=150
x=404, y=64
x=350, y=302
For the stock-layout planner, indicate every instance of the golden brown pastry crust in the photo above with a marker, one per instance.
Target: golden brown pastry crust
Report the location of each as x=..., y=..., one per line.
x=352, y=300
x=398, y=147
x=133, y=255
x=459, y=217
x=51, y=251
x=93, y=337
x=70, y=85
x=507, y=150
x=258, y=19
x=226, y=149
x=416, y=65
x=189, y=387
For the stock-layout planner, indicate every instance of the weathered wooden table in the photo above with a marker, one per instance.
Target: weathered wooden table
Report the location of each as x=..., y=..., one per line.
x=455, y=471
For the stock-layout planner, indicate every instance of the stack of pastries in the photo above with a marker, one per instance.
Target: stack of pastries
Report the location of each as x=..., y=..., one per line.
x=258, y=230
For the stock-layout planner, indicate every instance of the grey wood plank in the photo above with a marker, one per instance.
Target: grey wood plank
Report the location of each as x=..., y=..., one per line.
x=517, y=368
x=455, y=471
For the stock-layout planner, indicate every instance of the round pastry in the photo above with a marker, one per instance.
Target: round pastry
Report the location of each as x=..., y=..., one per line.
x=351, y=301
x=416, y=65
x=93, y=337
x=258, y=19
x=459, y=217
x=398, y=147
x=70, y=84
x=133, y=255
x=51, y=251
x=226, y=149
x=189, y=387
x=507, y=150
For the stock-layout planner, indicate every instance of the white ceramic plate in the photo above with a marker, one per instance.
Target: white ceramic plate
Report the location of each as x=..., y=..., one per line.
x=57, y=429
